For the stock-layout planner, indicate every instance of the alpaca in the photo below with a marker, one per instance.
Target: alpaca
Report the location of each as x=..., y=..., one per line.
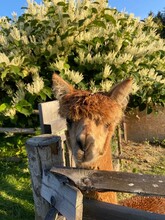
x=91, y=121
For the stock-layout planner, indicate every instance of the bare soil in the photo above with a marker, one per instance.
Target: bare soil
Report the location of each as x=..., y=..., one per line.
x=142, y=158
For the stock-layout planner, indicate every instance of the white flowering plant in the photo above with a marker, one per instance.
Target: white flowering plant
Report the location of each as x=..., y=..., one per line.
x=86, y=42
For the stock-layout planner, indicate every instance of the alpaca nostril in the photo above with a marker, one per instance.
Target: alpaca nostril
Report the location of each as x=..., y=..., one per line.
x=81, y=144
x=85, y=143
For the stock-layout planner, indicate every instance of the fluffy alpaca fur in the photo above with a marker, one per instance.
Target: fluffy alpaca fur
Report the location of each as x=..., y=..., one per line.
x=93, y=118
x=147, y=203
x=86, y=105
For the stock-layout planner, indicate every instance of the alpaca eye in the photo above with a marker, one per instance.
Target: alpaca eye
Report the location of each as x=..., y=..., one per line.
x=69, y=122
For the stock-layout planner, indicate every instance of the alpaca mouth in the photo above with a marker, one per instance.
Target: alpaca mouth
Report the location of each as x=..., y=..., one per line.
x=83, y=157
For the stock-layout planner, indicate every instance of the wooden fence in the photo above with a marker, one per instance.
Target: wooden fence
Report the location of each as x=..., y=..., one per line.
x=19, y=130
x=57, y=188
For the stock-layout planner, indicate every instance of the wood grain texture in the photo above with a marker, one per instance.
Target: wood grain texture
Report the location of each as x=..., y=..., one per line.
x=68, y=199
x=97, y=180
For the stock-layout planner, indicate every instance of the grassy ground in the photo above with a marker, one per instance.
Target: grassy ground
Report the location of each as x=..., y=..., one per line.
x=16, y=202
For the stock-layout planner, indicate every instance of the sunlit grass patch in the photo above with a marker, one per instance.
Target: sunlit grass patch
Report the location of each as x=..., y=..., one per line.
x=16, y=201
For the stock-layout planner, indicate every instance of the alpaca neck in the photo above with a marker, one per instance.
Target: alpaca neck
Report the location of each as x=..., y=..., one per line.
x=104, y=162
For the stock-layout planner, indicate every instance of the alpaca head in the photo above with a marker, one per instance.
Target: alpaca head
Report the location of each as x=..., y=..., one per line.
x=91, y=118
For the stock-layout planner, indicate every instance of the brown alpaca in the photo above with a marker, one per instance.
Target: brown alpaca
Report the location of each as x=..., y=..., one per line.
x=91, y=121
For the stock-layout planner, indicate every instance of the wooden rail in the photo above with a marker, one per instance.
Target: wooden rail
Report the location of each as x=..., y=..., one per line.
x=96, y=180
x=95, y=210
x=17, y=130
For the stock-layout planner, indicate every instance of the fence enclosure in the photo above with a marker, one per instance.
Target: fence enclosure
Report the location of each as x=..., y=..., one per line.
x=56, y=186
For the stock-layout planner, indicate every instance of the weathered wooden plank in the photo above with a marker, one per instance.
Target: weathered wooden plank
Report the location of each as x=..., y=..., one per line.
x=44, y=151
x=58, y=126
x=114, y=181
x=48, y=113
x=17, y=130
x=96, y=210
x=68, y=199
x=92, y=209
x=43, y=140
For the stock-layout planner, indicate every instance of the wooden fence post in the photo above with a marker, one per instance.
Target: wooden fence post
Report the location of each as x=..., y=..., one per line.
x=44, y=151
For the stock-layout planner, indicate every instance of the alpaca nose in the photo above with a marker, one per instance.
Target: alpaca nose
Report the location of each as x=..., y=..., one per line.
x=84, y=142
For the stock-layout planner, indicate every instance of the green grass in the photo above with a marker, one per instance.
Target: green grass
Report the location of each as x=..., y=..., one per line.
x=16, y=201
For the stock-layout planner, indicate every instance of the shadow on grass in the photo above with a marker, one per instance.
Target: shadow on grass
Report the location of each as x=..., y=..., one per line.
x=16, y=201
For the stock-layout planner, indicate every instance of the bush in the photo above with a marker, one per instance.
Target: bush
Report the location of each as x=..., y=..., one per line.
x=88, y=43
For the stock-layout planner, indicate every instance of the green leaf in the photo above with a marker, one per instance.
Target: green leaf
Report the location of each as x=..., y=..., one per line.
x=81, y=22
x=51, y=10
x=4, y=74
x=65, y=35
x=47, y=91
x=24, y=107
x=24, y=103
x=94, y=10
x=66, y=65
x=99, y=23
x=3, y=107
x=42, y=95
x=61, y=3
x=110, y=18
x=66, y=15
x=98, y=40
x=15, y=69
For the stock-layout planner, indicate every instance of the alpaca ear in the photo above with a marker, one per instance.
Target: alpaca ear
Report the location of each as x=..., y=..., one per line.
x=121, y=91
x=60, y=87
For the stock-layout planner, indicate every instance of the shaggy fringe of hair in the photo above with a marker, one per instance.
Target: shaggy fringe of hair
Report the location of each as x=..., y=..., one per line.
x=83, y=104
